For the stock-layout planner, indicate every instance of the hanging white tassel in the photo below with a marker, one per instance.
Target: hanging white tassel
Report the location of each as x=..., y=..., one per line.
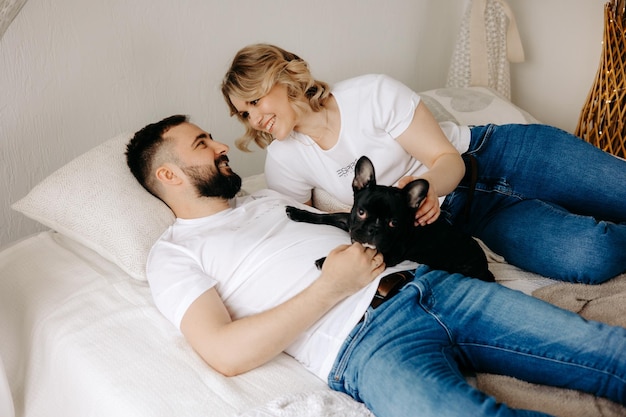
x=488, y=41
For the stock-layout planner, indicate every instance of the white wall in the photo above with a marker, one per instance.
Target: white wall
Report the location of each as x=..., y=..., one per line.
x=563, y=41
x=74, y=73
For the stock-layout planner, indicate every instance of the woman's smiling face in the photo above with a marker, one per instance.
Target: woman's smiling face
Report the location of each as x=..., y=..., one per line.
x=272, y=113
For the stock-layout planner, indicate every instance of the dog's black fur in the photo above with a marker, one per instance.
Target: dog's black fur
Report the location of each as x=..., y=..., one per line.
x=383, y=217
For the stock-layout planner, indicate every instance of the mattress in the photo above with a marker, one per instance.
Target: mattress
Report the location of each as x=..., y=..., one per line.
x=79, y=338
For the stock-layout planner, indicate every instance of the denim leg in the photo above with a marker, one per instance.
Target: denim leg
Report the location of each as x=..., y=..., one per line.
x=502, y=331
x=545, y=163
x=547, y=201
x=547, y=239
x=406, y=357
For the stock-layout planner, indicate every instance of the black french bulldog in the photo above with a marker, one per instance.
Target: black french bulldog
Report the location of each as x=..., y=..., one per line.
x=383, y=217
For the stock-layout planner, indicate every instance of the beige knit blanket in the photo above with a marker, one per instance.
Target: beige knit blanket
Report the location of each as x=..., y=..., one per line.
x=606, y=303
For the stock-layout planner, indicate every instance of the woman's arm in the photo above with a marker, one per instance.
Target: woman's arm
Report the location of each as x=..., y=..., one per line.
x=234, y=347
x=427, y=143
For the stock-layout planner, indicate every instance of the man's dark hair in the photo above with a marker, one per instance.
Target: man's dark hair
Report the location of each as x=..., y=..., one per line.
x=143, y=147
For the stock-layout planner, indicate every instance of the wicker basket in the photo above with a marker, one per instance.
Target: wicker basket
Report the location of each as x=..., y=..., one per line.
x=601, y=120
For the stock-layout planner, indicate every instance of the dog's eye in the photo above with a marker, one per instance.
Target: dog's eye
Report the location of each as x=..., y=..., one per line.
x=361, y=213
x=393, y=223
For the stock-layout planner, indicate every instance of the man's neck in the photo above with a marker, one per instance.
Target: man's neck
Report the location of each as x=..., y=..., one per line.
x=201, y=207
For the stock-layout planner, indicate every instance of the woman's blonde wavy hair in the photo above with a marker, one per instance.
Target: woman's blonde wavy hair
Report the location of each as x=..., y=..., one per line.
x=252, y=74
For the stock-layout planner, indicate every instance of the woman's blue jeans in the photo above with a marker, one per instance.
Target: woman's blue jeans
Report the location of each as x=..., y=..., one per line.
x=408, y=356
x=547, y=201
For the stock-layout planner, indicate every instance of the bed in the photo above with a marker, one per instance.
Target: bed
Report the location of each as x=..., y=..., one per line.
x=80, y=336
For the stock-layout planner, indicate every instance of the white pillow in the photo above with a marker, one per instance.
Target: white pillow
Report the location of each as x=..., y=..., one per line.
x=473, y=106
x=95, y=200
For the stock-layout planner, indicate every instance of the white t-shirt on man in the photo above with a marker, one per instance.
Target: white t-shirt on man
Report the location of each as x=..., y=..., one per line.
x=374, y=110
x=256, y=258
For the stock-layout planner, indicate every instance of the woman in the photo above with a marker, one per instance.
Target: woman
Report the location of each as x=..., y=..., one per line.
x=547, y=201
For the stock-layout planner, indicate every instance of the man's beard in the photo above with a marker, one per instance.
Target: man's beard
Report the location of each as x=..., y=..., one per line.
x=211, y=182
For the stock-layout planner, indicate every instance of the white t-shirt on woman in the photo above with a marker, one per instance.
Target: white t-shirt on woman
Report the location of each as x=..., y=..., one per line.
x=374, y=110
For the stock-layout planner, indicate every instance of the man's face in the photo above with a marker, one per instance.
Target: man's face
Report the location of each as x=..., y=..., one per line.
x=214, y=180
x=204, y=161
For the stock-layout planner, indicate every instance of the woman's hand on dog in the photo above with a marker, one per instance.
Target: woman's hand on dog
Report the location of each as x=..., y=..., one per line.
x=428, y=211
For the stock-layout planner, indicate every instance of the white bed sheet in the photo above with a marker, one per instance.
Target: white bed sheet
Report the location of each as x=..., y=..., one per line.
x=79, y=338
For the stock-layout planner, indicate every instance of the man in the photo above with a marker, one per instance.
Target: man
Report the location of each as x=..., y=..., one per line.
x=237, y=277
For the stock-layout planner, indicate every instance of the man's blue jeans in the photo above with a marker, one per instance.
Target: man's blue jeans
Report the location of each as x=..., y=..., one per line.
x=547, y=201
x=408, y=356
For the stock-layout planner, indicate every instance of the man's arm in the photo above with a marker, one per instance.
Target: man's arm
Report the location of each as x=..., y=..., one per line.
x=234, y=347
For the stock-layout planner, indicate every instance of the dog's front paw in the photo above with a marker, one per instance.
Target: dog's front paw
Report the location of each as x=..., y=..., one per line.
x=294, y=214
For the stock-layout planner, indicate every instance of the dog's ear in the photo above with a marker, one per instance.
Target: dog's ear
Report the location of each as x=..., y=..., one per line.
x=364, y=175
x=416, y=191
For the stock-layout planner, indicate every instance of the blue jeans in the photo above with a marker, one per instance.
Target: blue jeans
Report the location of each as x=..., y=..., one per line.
x=547, y=201
x=408, y=356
